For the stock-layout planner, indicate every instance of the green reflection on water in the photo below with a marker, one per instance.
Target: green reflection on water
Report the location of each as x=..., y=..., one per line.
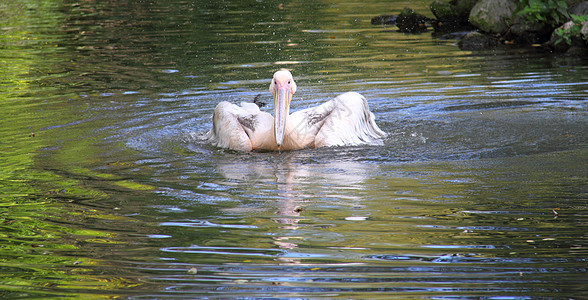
x=38, y=255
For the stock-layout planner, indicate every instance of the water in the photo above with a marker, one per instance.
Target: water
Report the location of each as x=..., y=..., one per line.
x=108, y=188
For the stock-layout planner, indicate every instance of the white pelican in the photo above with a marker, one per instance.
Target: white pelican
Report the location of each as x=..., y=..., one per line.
x=345, y=120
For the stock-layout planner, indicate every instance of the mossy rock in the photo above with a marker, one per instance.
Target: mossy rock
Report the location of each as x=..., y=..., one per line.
x=453, y=9
x=492, y=16
x=475, y=41
x=410, y=21
x=452, y=16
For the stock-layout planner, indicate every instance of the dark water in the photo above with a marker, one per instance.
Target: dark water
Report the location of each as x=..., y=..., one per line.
x=107, y=188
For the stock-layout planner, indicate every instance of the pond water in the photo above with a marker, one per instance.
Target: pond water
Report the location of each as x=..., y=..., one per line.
x=108, y=189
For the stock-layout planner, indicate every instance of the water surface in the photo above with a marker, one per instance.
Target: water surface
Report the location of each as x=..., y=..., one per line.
x=107, y=187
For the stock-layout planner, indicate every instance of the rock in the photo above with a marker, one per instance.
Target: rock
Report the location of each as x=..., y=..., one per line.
x=456, y=35
x=384, y=20
x=567, y=36
x=525, y=32
x=410, y=21
x=492, y=16
x=443, y=27
x=557, y=42
x=464, y=6
x=475, y=41
x=452, y=9
x=579, y=9
x=571, y=3
x=576, y=51
x=452, y=16
x=442, y=10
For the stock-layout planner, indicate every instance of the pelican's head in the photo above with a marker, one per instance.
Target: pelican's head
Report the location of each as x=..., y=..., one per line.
x=282, y=88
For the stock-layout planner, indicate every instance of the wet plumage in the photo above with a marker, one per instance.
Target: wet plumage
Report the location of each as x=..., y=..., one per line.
x=344, y=121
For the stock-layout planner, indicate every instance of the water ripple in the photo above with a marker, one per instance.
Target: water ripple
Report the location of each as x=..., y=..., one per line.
x=204, y=223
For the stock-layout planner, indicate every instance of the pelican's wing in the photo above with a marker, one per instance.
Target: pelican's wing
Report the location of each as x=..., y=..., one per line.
x=235, y=127
x=343, y=121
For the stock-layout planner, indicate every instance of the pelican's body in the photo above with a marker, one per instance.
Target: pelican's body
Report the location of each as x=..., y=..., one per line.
x=345, y=120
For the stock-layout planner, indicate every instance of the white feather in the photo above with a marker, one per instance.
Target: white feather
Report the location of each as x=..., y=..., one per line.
x=344, y=121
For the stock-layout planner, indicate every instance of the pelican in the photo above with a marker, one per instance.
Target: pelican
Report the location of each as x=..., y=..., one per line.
x=343, y=121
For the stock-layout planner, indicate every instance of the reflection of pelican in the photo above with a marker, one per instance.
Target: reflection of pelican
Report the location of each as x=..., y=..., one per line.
x=294, y=185
x=345, y=120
